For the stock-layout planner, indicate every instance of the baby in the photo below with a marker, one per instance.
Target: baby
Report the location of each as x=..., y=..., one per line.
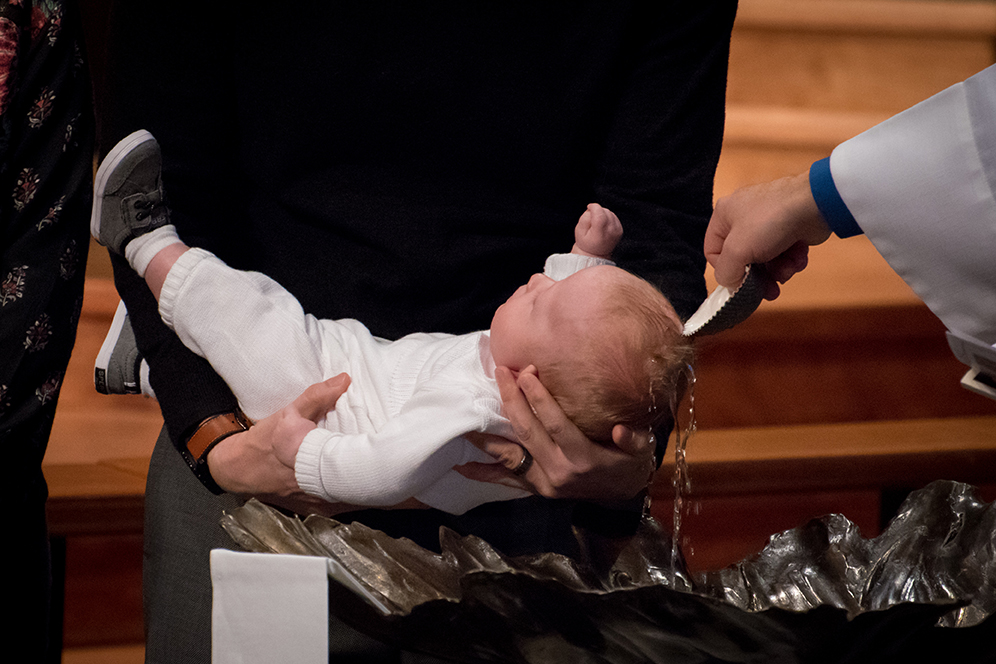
x=605, y=343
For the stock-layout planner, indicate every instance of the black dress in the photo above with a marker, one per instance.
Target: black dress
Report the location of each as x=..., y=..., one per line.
x=46, y=159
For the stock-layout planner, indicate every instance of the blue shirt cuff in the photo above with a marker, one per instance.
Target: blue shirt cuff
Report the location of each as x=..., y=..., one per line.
x=828, y=200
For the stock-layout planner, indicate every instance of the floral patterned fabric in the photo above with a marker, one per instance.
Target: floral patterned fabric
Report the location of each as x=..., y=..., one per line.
x=46, y=166
x=46, y=148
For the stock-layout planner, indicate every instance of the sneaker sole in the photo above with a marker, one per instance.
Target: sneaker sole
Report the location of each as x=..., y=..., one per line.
x=107, y=349
x=113, y=158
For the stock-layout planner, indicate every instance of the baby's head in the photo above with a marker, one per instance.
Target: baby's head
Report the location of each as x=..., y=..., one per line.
x=606, y=344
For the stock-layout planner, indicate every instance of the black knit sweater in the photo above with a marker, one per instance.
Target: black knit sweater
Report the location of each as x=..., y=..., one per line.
x=410, y=164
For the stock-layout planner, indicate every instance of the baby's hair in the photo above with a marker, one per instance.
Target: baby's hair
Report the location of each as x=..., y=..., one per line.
x=633, y=368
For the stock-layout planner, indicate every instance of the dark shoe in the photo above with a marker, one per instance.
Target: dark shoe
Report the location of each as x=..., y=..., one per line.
x=128, y=196
x=119, y=368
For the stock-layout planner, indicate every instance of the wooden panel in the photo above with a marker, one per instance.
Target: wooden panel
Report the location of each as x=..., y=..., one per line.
x=847, y=340
x=103, y=600
x=805, y=76
x=787, y=127
x=718, y=531
x=98, y=262
x=94, y=498
x=113, y=654
x=835, y=366
x=99, y=478
x=922, y=18
x=857, y=455
x=766, y=143
x=844, y=72
x=742, y=166
x=856, y=54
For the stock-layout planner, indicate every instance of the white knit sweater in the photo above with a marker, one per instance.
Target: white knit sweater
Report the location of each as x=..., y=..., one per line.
x=397, y=432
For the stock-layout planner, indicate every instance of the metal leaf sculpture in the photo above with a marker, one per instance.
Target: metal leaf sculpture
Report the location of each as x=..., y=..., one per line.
x=819, y=593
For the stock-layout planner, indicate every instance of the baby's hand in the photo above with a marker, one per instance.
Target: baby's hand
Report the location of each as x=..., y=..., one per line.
x=597, y=233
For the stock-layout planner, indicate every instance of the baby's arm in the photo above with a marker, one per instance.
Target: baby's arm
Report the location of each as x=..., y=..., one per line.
x=412, y=455
x=597, y=233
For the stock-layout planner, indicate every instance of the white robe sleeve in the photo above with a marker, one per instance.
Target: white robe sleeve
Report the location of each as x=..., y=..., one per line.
x=921, y=187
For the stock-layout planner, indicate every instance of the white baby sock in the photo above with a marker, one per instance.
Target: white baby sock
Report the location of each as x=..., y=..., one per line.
x=141, y=250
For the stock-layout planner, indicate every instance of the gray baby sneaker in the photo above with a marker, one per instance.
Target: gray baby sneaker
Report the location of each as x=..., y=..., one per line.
x=128, y=196
x=119, y=367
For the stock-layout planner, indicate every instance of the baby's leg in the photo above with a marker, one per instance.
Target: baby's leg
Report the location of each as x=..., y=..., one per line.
x=159, y=266
x=253, y=332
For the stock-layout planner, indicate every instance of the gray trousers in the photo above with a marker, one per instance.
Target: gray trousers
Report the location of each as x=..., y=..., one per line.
x=181, y=528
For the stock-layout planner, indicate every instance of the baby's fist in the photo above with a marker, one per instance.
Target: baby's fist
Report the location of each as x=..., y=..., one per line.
x=597, y=233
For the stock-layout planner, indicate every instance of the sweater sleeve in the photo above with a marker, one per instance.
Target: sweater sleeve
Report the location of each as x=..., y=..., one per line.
x=412, y=455
x=560, y=266
x=921, y=186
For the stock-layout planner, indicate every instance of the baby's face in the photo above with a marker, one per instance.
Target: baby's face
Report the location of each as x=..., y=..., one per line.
x=545, y=319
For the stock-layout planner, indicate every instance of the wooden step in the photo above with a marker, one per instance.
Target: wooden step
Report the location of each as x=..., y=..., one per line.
x=764, y=143
x=857, y=55
x=844, y=456
x=806, y=75
x=120, y=654
x=905, y=18
x=790, y=128
x=105, y=496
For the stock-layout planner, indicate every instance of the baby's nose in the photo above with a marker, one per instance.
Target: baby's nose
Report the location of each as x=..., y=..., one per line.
x=534, y=281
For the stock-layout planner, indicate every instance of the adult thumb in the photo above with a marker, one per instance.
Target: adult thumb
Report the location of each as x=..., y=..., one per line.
x=320, y=398
x=721, y=254
x=728, y=270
